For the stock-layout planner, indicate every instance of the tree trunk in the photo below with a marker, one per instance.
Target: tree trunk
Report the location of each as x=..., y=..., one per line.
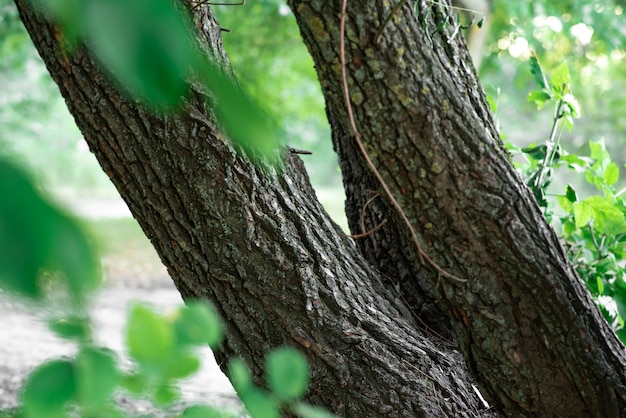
x=256, y=243
x=259, y=246
x=526, y=325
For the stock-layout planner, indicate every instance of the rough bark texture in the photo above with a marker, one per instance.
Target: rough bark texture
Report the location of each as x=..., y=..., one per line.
x=528, y=329
x=257, y=244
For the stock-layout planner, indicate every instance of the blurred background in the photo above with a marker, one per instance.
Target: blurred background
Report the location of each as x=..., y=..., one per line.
x=268, y=56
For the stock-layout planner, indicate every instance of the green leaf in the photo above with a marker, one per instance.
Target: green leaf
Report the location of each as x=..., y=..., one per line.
x=257, y=136
x=166, y=394
x=150, y=338
x=201, y=411
x=197, y=323
x=72, y=328
x=35, y=236
x=73, y=255
x=560, y=78
x=600, y=284
x=134, y=383
x=620, y=297
x=536, y=152
x=569, y=228
x=583, y=213
x=611, y=174
x=26, y=238
x=537, y=72
x=493, y=104
x=49, y=388
x=574, y=161
x=305, y=410
x=287, y=373
x=239, y=375
x=565, y=203
x=68, y=13
x=184, y=365
x=570, y=194
x=97, y=376
x=598, y=150
x=259, y=404
x=539, y=97
x=145, y=44
x=608, y=218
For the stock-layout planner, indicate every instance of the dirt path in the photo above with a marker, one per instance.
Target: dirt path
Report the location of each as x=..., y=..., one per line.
x=25, y=342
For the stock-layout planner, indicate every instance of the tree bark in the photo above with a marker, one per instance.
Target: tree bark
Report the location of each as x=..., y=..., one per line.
x=255, y=241
x=526, y=325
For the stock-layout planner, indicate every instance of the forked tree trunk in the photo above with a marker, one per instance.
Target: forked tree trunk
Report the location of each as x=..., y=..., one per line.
x=256, y=243
x=526, y=325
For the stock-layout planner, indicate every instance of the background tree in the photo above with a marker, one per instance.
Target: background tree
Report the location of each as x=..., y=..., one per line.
x=254, y=241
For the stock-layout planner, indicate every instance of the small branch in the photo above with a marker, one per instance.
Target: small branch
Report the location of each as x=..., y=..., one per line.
x=387, y=19
x=369, y=201
x=199, y=3
x=370, y=232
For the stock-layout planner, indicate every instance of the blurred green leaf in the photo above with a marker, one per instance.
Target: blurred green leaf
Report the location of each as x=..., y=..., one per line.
x=239, y=375
x=134, y=383
x=67, y=13
x=240, y=116
x=149, y=47
x=575, y=162
x=166, y=394
x=598, y=150
x=600, y=285
x=620, y=296
x=97, y=377
x=287, y=373
x=198, y=411
x=183, y=366
x=48, y=389
x=72, y=328
x=305, y=410
x=259, y=404
x=149, y=337
x=197, y=323
x=35, y=235
x=145, y=44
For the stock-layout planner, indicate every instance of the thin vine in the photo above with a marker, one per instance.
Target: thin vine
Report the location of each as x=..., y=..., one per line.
x=424, y=258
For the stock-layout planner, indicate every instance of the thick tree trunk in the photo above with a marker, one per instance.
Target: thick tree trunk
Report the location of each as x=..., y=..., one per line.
x=528, y=329
x=259, y=246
